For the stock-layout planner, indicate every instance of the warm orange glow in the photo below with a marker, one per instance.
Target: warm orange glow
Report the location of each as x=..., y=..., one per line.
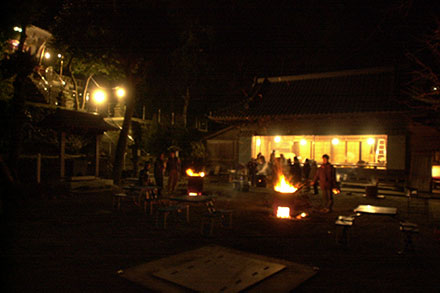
x=283, y=212
x=436, y=171
x=193, y=194
x=301, y=216
x=336, y=191
x=284, y=186
x=191, y=173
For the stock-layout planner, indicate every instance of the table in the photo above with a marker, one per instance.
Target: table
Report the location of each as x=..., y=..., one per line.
x=144, y=192
x=219, y=269
x=188, y=200
x=375, y=210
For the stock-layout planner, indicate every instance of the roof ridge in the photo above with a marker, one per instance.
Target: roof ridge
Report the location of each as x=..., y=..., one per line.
x=322, y=75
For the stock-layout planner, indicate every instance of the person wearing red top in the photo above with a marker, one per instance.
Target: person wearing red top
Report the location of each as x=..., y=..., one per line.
x=326, y=176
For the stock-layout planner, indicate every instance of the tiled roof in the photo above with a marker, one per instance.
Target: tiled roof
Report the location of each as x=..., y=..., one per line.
x=76, y=122
x=352, y=91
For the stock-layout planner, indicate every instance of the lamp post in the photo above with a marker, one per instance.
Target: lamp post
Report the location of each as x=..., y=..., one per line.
x=99, y=96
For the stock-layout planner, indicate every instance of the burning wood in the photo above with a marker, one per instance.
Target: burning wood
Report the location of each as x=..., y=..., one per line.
x=191, y=173
x=283, y=212
x=283, y=185
x=195, y=182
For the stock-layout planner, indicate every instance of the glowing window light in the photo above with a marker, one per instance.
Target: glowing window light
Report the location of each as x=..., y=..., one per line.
x=277, y=138
x=99, y=96
x=303, y=142
x=370, y=141
x=258, y=142
x=436, y=171
x=335, y=141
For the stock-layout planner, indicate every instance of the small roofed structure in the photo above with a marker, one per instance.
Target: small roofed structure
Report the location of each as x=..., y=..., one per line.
x=76, y=122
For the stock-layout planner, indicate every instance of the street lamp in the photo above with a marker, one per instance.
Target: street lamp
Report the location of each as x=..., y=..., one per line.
x=99, y=96
x=120, y=92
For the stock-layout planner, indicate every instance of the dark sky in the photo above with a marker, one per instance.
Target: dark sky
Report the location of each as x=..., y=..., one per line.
x=291, y=35
x=272, y=38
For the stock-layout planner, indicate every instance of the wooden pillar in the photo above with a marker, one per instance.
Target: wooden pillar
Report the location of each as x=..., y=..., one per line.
x=97, y=143
x=62, y=154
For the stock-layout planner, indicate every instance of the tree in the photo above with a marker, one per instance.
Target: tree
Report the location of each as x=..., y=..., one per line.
x=127, y=34
x=424, y=86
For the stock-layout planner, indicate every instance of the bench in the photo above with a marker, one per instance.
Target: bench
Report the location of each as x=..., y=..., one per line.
x=408, y=230
x=165, y=211
x=117, y=198
x=344, y=223
x=224, y=216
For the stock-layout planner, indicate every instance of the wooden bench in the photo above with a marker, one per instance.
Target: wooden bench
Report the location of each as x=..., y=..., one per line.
x=224, y=216
x=408, y=230
x=117, y=198
x=344, y=223
x=166, y=211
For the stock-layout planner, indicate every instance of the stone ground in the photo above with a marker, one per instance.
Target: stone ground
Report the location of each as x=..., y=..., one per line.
x=77, y=242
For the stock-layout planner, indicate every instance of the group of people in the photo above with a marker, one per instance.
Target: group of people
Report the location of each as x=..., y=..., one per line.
x=162, y=165
x=296, y=172
x=309, y=173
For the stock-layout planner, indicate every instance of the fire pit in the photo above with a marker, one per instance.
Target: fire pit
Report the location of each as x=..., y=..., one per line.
x=195, y=182
x=284, y=196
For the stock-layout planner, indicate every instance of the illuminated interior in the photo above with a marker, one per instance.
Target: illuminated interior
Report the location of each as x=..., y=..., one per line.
x=436, y=171
x=344, y=150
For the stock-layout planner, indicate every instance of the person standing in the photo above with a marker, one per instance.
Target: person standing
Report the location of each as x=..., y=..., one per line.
x=296, y=171
x=159, y=170
x=313, y=171
x=252, y=170
x=326, y=175
x=306, y=170
x=173, y=171
x=144, y=175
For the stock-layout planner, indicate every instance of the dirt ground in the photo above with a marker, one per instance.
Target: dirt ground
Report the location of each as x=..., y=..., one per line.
x=77, y=242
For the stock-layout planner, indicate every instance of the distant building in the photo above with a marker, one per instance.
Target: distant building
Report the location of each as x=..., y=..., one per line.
x=355, y=116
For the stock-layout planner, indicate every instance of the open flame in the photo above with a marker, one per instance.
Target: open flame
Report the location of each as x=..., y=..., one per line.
x=191, y=173
x=283, y=212
x=284, y=186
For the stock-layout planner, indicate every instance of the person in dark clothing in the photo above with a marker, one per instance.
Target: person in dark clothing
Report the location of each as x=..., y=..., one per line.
x=296, y=171
x=144, y=175
x=306, y=170
x=159, y=170
x=173, y=166
x=326, y=175
x=252, y=169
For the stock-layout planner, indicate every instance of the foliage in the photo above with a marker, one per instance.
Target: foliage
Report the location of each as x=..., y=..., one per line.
x=424, y=86
x=162, y=139
x=6, y=82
